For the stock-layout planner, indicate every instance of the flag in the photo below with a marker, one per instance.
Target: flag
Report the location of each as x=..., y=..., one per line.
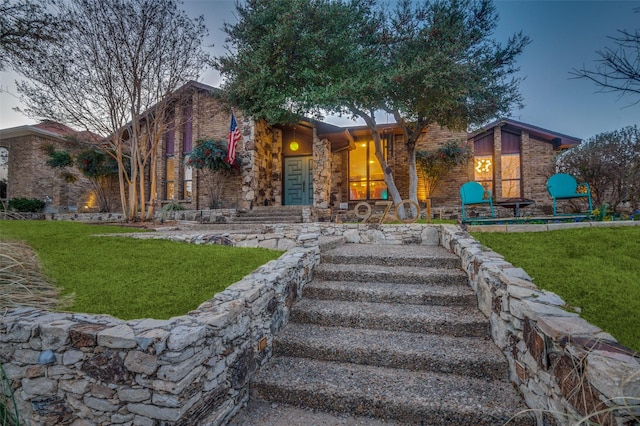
x=234, y=137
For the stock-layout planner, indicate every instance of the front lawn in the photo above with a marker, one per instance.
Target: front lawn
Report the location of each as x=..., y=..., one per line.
x=130, y=278
x=596, y=269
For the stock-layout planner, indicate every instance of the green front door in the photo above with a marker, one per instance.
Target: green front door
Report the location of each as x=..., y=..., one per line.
x=298, y=181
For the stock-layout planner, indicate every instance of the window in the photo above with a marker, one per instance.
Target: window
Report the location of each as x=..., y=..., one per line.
x=510, y=166
x=170, y=161
x=170, y=178
x=366, y=178
x=187, y=129
x=4, y=172
x=187, y=183
x=483, y=161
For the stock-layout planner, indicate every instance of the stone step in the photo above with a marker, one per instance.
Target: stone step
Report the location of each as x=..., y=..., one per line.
x=442, y=320
x=390, y=274
x=267, y=219
x=447, y=295
x=392, y=255
x=469, y=356
x=410, y=396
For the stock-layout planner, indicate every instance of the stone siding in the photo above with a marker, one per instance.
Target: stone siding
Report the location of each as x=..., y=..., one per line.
x=565, y=367
x=187, y=370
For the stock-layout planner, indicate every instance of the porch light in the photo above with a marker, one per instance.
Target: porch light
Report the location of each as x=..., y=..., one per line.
x=294, y=146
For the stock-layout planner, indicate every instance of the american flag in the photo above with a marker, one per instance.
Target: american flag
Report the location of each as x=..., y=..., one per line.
x=234, y=137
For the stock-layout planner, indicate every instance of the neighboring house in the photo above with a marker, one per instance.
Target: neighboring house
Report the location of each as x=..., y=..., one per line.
x=313, y=163
x=23, y=166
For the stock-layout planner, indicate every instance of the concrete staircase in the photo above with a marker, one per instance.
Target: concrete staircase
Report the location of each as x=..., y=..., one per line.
x=270, y=214
x=391, y=332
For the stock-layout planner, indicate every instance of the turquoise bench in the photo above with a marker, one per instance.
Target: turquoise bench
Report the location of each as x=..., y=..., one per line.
x=472, y=193
x=562, y=186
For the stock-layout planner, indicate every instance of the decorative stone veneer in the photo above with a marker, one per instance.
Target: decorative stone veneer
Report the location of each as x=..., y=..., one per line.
x=194, y=369
x=565, y=367
x=188, y=370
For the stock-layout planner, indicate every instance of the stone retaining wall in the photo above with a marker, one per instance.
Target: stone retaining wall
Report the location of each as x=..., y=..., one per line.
x=565, y=367
x=194, y=369
x=188, y=370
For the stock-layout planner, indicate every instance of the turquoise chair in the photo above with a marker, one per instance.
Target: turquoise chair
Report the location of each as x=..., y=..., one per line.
x=474, y=193
x=562, y=186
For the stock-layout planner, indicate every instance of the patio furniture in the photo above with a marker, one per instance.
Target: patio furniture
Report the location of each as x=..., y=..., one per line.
x=472, y=193
x=562, y=186
x=516, y=204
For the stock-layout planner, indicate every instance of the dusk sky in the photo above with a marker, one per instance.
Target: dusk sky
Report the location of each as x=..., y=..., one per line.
x=565, y=35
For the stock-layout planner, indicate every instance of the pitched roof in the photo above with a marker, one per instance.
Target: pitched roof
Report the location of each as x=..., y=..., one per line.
x=558, y=140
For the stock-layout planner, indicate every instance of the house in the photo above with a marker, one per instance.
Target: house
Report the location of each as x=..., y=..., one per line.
x=328, y=167
x=316, y=164
x=25, y=173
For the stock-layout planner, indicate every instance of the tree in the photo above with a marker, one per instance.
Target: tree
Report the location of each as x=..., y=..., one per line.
x=610, y=163
x=618, y=69
x=24, y=24
x=95, y=165
x=433, y=165
x=433, y=62
x=210, y=156
x=115, y=73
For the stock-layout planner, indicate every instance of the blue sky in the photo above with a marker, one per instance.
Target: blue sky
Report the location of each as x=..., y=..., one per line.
x=565, y=35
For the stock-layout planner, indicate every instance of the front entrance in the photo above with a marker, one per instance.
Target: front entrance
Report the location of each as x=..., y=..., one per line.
x=298, y=181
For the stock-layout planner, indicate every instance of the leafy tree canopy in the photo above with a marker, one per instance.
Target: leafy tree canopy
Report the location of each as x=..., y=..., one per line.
x=610, y=163
x=423, y=62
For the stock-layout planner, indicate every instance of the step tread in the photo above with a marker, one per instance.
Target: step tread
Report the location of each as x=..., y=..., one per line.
x=390, y=292
x=459, y=321
x=387, y=392
x=392, y=251
x=396, y=274
x=476, y=356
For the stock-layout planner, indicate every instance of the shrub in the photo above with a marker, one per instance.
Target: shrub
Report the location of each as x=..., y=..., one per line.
x=26, y=204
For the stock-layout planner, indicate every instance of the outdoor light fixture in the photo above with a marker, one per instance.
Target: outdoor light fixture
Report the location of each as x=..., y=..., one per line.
x=293, y=146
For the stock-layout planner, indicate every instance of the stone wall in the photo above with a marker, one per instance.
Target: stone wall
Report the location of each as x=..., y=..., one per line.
x=565, y=367
x=194, y=369
x=188, y=370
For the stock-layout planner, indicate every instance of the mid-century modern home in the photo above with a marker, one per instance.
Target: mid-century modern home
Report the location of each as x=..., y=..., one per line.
x=313, y=163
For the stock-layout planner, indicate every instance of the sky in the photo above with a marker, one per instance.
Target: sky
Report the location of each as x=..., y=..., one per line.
x=565, y=35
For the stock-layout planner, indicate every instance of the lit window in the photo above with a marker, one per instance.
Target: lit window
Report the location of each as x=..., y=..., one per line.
x=170, y=179
x=510, y=165
x=366, y=178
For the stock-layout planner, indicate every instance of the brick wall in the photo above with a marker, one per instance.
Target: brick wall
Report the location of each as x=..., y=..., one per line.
x=30, y=177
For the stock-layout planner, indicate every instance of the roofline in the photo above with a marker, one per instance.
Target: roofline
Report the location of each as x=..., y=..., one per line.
x=27, y=130
x=559, y=139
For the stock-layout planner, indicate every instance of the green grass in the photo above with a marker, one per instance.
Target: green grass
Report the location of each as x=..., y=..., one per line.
x=596, y=269
x=130, y=278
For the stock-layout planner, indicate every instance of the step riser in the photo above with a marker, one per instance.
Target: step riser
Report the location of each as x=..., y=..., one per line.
x=354, y=296
x=377, y=407
x=456, y=329
x=326, y=274
x=381, y=358
x=424, y=262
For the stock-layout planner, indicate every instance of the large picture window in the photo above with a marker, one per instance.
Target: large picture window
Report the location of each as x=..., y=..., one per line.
x=483, y=161
x=366, y=178
x=510, y=166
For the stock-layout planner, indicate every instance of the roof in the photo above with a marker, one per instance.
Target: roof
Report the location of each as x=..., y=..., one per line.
x=558, y=140
x=49, y=129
